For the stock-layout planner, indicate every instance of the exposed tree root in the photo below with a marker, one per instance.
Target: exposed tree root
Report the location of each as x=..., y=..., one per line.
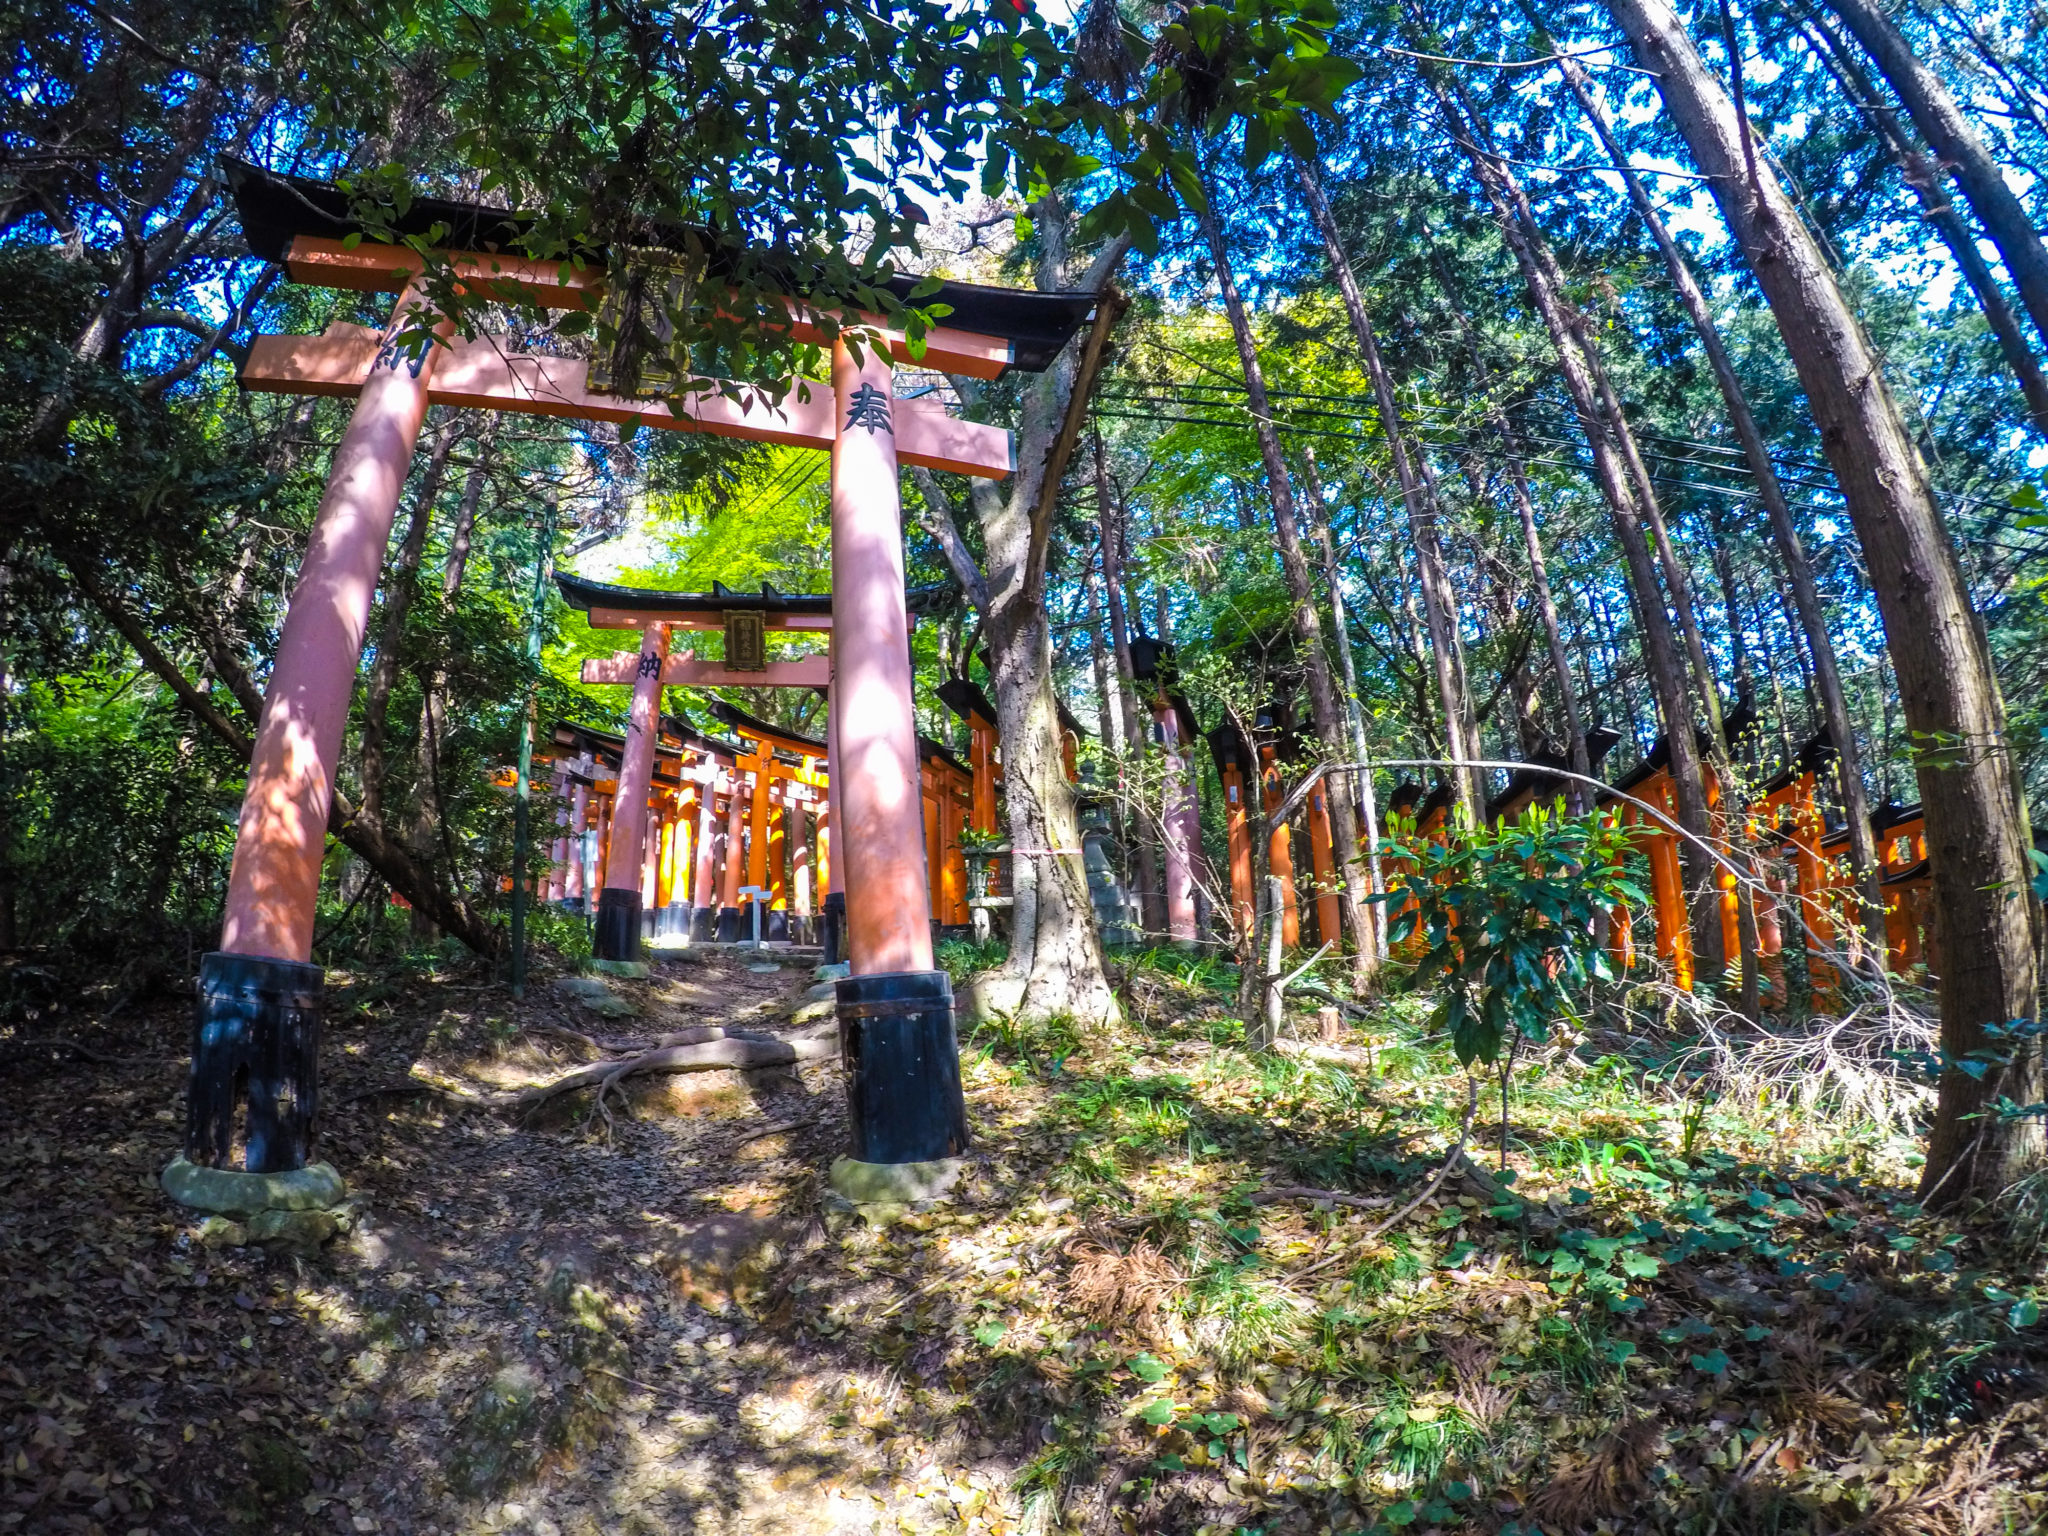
x=706, y=1048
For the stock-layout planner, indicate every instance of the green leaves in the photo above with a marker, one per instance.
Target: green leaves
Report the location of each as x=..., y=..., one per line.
x=1509, y=915
x=1148, y=1368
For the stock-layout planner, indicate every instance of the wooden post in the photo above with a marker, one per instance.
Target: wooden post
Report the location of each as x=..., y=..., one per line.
x=1237, y=825
x=575, y=889
x=776, y=927
x=1322, y=858
x=800, y=859
x=619, y=903
x=256, y=1028
x=729, y=930
x=981, y=737
x=875, y=767
x=1178, y=823
x=703, y=882
x=901, y=1060
x=1279, y=848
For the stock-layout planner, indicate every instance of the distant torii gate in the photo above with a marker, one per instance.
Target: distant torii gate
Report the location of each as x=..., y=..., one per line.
x=257, y=1021
x=800, y=782
x=746, y=617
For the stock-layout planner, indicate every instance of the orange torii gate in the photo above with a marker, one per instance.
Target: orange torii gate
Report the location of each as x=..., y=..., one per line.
x=984, y=745
x=946, y=796
x=798, y=767
x=746, y=619
x=257, y=1021
x=687, y=768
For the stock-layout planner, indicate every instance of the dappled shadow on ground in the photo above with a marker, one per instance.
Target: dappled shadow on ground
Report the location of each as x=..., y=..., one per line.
x=1115, y=1325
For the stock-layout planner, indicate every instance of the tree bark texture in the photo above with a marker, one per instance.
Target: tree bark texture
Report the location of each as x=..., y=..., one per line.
x=1054, y=945
x=1308, y=624
x=1784, y=529
x=1977, y=832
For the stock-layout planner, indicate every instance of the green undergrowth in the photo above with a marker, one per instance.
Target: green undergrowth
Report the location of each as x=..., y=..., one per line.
x=1635, y=1308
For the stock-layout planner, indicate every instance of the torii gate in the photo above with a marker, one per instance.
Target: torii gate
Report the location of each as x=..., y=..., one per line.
x=691, y=786
x=257, y=1020
x=657, y=615
x=808, y=778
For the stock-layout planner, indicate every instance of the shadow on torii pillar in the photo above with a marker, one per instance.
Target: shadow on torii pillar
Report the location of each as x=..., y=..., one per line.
x=257, y=1022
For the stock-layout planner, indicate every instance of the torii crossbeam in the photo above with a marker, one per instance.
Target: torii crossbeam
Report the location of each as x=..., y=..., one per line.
x=257, y=1022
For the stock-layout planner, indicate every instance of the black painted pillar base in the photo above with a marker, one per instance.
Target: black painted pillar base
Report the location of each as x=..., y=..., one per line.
x=729, y=931
x=902, y=1062
x=803, y=929
x=255, y=1040
x=574, y=904
x=832, y=928
x=775, y=926
x=618, y=926
x=703, y=924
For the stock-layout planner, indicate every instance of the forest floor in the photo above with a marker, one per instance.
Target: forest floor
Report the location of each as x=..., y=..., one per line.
x=1158, y=1301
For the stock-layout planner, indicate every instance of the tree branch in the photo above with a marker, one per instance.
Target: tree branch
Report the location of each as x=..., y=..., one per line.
x=153, y=657
x=937, y=520
x=1108, y=305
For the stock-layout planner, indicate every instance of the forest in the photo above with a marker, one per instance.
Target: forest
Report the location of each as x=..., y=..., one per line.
x=1024, y=766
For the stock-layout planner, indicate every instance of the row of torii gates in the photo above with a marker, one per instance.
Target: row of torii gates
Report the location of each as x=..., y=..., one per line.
x=728, y=827
x=256, y=1041
x=255, y=1060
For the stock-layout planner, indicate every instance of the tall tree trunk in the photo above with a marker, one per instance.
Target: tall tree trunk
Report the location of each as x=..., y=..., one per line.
x=1947, y=130
x=434, y=696
x=1439, y=607
x=1924, y=176
x=1354, y=712
x=401, y=581
x=1308, y=623
x=1784, y=528
x=1977, y=832
x=1577, y=796
x=1667, y=679
x=1055, y=949
x=1110, y=521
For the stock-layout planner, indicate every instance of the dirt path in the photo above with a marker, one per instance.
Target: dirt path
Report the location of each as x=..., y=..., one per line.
x=1135, y=1315
x=531, y=1328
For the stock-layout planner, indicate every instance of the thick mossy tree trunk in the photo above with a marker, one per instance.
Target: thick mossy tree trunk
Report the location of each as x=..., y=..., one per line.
x=1055, y=949
x=1353, y=907
x=1977, y=837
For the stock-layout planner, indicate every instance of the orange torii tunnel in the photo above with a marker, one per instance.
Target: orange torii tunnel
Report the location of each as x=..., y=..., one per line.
x=256, y=1036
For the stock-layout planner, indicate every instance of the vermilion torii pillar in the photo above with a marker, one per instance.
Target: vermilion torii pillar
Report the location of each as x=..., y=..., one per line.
x=258, y=1019
x=619, y=903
